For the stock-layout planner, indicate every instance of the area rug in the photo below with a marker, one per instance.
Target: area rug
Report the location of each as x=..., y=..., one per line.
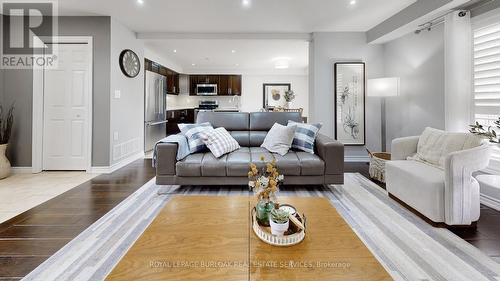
x=405, y=245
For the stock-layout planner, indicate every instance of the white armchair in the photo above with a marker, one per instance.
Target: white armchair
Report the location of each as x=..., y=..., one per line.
x=450, y=195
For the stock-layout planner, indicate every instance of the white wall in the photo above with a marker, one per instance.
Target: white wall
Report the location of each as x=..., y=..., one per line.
x=419, y=61
x=252, y=91
x=127, y=112
x=326, y=49
x=166, y=62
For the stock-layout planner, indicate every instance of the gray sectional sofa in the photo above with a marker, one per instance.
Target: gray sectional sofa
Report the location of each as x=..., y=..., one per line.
x=326, y=166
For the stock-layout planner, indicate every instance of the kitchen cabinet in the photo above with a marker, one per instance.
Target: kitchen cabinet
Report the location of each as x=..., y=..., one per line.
x=172, y=76
x=227, y=85
x=176, y=117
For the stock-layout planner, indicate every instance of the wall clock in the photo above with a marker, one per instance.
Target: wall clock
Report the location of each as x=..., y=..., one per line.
x=129, y=63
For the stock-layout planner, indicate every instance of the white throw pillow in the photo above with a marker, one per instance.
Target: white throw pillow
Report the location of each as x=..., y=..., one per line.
x=279, y=139
x=219, y=141
x=434, y=145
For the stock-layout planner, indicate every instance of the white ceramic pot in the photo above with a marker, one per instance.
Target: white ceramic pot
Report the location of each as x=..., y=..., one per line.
x=278, y=229
x=4, y=162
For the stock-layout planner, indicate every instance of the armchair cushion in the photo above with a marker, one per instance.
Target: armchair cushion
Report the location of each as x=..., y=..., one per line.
x=434, y=145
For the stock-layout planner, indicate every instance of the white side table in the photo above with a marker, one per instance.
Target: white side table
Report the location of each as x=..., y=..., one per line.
x=490, y=190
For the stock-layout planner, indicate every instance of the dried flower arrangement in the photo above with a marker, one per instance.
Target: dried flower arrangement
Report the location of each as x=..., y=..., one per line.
x=266, y=181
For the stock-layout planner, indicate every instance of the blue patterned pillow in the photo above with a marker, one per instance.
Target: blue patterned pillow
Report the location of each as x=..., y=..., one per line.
x=194, y=136
x=305, y=135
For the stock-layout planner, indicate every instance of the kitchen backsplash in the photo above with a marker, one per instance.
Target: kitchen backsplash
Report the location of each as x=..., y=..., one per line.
x=184, y=100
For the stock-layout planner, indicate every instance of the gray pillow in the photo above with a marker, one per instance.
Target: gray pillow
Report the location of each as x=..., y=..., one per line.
x=279, y=139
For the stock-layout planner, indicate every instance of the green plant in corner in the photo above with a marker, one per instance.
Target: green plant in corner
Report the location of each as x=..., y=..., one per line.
x=279, y=216
x=487, y=133
x=6, y=122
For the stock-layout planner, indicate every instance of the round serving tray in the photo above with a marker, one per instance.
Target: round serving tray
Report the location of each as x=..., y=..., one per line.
x=293, y=236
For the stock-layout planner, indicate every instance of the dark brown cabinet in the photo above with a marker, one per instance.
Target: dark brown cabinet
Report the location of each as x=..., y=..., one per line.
x=176, y=117
x=227, y=85
x=172, y=76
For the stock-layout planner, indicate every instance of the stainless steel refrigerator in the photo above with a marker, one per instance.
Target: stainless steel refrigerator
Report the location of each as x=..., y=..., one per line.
x=155, y=103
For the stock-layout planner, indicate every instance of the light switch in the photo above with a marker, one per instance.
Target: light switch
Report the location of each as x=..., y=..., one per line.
x=115, y=136
x=118, y=94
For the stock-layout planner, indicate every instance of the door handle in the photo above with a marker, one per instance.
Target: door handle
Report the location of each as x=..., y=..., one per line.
x=156, y=123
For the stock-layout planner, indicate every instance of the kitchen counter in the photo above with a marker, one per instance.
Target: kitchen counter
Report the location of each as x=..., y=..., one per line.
x=180, y=107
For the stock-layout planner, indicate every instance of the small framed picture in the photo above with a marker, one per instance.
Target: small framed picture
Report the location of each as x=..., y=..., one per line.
x=349, y=90
x=274, y=95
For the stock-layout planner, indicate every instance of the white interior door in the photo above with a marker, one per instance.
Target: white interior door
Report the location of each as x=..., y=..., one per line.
x=66, y=109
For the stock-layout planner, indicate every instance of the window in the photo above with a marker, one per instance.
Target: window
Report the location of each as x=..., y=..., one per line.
x=487, y=80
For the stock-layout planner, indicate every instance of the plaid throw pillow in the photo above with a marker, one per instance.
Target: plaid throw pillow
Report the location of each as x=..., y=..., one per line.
x=219, y=141
x=192, y=133
x=305, y=134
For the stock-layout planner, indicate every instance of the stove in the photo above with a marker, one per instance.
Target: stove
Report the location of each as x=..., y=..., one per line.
x=208, y=105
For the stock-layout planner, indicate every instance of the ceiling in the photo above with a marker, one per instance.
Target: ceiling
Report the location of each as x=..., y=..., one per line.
x=233, y=16
x=243, y=56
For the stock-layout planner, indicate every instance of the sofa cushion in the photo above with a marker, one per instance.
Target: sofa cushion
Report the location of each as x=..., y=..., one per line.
x=190, y=166
x=237, y=162
x=219, y=141
x=310, y=164
x=193, y=134
x=242, y=137
x=279, y=139
x=257, y=137
x=263, y=121
x=232, y=121
x=419, y=185
x=434, y=145
x=305, y=135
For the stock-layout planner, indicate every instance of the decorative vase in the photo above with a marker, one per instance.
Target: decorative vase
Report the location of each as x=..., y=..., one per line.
x=264, y=208
x=287, y=105
x=279, y=229
x=4, y=162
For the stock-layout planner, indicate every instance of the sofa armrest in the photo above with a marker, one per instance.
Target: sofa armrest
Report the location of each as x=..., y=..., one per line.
x=458, y=169
x=332, y=153
x=166, y=158
x=402, y=148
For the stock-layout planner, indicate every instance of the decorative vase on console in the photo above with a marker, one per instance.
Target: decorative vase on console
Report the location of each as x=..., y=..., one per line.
x=265, y=184
x=289, y=97
x=6, y=121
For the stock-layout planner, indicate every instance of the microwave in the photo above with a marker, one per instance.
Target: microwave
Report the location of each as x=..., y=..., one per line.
x=206, y=89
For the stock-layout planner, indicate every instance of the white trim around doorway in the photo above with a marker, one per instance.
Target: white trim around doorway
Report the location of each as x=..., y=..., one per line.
x=37, y=126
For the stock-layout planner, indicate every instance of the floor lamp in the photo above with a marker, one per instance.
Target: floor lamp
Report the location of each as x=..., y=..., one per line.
x=383, y=88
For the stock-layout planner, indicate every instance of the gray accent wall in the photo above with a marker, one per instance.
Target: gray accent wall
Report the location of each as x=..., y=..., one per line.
x=18, y=88
x=419, y=61
x=327, y=48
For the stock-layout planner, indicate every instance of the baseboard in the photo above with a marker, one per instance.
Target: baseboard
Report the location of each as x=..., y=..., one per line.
x=120, y=164
x=22, y=170
x=490, y=202
x=357, y=159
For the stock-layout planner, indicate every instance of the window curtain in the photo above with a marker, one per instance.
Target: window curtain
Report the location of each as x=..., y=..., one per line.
x=458, y=71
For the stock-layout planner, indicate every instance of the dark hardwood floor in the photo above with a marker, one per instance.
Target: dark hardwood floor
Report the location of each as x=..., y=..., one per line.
x=31, y=237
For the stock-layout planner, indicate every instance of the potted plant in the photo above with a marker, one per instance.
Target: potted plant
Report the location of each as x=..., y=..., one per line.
x=289, y=97
x=279, y=222
x=487, y=133
x=265, y=184
x=6, y=121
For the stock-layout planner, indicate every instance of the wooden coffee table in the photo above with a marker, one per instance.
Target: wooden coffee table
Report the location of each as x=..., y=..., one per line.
x=210, y=238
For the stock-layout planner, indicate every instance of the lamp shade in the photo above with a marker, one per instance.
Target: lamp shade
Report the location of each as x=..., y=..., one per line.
x=383, y=87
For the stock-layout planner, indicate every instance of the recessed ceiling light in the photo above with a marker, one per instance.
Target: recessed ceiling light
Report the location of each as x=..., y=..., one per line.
x=193, y=64
x=140, y=2
x=237, y=64
x=353, y=2
x=233, y=51
x=245, y=3
x=175, y=51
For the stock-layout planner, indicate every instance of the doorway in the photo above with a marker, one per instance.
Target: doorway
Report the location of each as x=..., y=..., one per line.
x=63, y=105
